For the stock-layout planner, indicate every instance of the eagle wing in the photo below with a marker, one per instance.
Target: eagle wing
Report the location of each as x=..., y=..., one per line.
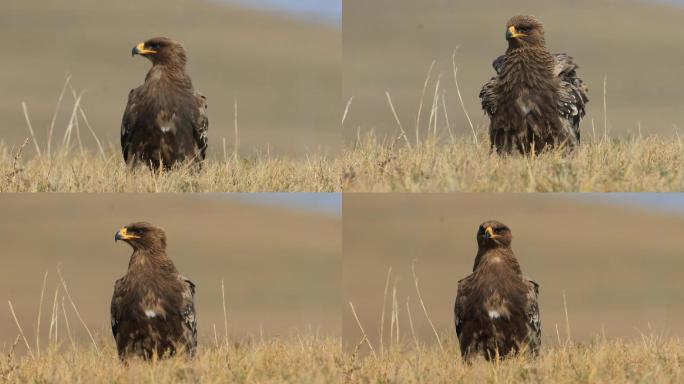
x=115, y=310
x=188, y=315
x=459, y=305
x=532, y=313
x=128, y=121
x=202, y=126
x=572, y=96
x=488, y=96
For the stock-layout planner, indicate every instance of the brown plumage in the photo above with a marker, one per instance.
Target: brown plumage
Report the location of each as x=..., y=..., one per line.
x=536, y=100
x=153, y=311
x=165, y=121
x=496, y=311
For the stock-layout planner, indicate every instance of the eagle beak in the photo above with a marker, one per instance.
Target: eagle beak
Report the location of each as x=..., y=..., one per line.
x=489, y=233
x=141, y=50
x=512, y=33
x=124, y=235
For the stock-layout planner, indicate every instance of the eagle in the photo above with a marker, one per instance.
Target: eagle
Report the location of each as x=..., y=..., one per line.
x=153, y=310
x=536, y=100
x=165, y=121
x=496, y=310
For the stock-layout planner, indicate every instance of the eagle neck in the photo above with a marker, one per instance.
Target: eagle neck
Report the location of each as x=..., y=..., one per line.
x=529, y=67
x=169, y=75
x=151, y=259
x=495, y=258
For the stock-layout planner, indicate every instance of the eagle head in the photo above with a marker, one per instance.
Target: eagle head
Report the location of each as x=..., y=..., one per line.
x=161, y=51
x=524, y=31
x=493, y=234
x=142, y=235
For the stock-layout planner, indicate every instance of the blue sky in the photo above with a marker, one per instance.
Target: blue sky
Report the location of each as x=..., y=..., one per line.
x=672, y=203
x=320, y=11
x=331, y=203
x=328, y=11
x=325, y=203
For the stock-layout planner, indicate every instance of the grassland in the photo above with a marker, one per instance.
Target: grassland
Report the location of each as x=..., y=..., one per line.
x=431, y=157
x=106, y=172
x=314, y=360
x=631, y=164
x=651, y=360
x=635, y=164
x=303, y=359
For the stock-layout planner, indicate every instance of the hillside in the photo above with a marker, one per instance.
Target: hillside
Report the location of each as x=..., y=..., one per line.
x=389, y=45
x=284, y=74
x=289, y=282
x=618, y=267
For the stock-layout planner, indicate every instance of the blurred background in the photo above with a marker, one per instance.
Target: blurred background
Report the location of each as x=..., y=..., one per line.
x=280, y=60
x=618, y=259
x=389, y=45
x=278, y=254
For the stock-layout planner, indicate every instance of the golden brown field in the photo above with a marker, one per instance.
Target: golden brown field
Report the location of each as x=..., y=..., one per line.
x=635, y=164
x=649, y=360
x=302, y=359
x=308, y=359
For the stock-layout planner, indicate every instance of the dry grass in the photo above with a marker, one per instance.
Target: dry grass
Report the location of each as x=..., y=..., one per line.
x=652, y=164
x=304, y=359
x=653, y=360
x=91, y=172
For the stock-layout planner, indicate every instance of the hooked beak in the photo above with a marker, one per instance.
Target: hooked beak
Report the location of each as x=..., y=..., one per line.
x=489, y=233
x=124, y=235
x=141, y=50
x=512, y=33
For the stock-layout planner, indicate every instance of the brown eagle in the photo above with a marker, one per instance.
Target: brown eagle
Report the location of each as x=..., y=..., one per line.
x=536, y=100
x=496, y=310
x=165, y=121
x=153, y=311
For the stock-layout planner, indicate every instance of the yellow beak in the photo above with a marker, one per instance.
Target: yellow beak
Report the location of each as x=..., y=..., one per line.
x=141, y=50
x=489, y=232
x=513, y=33
x=124, y=235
